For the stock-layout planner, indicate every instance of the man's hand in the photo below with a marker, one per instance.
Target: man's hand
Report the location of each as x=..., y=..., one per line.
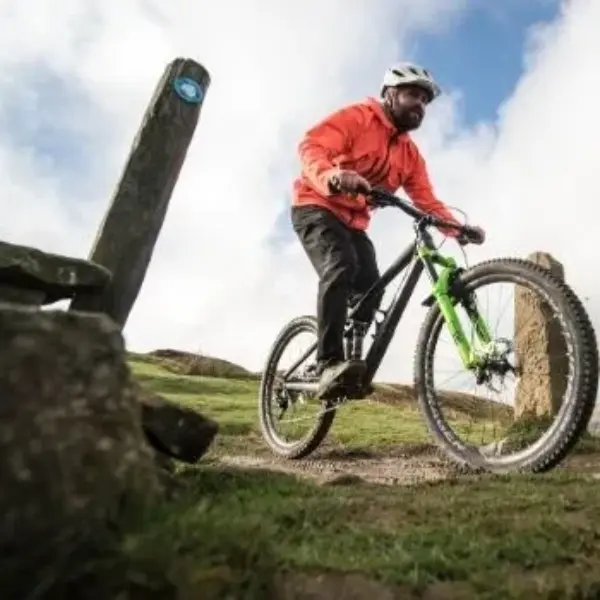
x=473, y=235
x=349, y=182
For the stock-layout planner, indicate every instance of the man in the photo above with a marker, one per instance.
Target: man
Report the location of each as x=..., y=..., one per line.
x=362, y=145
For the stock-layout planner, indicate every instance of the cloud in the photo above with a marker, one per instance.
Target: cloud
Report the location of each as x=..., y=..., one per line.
x=227, y=272
x=529, y=177
x=216, y=281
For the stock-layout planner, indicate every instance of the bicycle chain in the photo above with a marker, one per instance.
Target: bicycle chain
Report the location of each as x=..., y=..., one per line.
x=337, y=404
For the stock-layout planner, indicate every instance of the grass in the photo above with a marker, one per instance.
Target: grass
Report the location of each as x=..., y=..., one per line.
x=233, y=403
x=259, y=535
x=233, y=534
x=187, y=363
x=392, y=421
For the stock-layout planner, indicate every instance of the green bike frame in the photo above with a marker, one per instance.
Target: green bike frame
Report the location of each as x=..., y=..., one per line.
x=443, y=295
x=423, y=255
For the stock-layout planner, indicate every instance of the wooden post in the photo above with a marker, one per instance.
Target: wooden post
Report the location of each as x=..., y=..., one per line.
x=126, y=239
x=541, y=350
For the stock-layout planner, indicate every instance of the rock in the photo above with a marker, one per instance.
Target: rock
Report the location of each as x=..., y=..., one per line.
x=540, y=348
x=45, y=278
x=72, y=450
x=174, y=430
x=17, y=295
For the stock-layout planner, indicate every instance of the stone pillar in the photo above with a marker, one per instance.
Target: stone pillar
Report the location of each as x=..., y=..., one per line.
x=540, y=349
x=134, y=219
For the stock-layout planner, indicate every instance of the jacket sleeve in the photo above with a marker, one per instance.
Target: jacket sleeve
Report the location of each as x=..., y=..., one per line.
x=419, y=189
x=323, y=146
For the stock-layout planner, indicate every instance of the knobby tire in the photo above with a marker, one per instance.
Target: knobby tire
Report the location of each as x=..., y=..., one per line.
x=581, y=341
x=325, y=418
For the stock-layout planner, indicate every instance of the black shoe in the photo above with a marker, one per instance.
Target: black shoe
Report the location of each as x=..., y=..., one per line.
x=315, y=370
x=340, y=377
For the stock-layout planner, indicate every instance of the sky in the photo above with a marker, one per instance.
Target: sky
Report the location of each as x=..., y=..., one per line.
x=513, y=142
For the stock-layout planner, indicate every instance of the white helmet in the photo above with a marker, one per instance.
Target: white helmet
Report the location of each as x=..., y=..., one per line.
x=408, y=73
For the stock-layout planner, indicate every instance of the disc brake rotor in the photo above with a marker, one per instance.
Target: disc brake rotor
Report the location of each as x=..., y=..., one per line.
x=493, y=360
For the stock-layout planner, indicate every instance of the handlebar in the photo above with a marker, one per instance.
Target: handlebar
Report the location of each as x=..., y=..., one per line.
x=381, y=198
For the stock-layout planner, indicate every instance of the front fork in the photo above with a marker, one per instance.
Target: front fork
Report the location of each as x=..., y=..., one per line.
x=442, y=293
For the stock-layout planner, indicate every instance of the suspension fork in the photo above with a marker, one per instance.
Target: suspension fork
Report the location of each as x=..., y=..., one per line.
x=446, y=294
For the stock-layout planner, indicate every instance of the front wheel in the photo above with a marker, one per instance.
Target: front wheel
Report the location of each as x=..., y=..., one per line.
x=551, y=365
x=309, y=419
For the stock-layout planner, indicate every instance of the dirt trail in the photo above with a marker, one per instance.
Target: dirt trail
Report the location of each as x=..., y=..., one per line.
x=409, y=465
x=404, y=465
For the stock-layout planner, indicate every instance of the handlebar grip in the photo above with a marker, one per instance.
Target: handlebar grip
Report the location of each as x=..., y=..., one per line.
x=469, y=234
x=334, y=184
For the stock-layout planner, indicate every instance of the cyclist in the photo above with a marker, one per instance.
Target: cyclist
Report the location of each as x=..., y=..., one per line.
x=361, y=145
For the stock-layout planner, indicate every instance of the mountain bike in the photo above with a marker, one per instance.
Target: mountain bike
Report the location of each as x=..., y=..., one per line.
x=486, y=358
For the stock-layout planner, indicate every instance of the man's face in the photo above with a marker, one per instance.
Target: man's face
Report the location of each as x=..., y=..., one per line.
x=407, y=104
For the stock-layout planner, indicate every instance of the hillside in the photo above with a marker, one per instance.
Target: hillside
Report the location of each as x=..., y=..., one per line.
x=339, y=533
x=381, y=439
x=188, y=363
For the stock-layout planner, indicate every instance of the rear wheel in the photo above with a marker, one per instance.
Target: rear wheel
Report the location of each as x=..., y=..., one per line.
x=310, y=419
x=568, y=376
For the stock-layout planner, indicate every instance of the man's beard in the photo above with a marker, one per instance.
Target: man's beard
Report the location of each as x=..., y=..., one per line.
x=408, y=121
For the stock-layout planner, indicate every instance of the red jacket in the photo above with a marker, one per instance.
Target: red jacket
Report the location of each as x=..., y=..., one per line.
x=360, y=137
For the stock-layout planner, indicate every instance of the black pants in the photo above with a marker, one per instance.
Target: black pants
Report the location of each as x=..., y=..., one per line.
x=345, y=262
